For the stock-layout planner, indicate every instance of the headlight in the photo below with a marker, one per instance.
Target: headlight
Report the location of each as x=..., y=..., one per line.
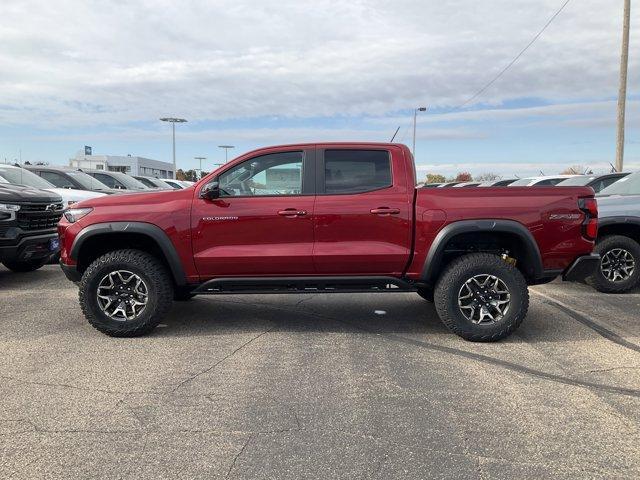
x=8, y=207
x=74, y=214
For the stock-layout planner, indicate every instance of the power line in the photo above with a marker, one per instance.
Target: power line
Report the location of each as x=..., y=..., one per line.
x=510, y=64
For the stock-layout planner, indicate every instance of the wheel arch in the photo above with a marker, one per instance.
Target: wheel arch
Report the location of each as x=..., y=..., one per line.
x=505, y=232
x=100, y=238
x=619, y=225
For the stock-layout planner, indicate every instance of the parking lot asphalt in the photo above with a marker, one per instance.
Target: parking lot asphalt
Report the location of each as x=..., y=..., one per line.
x=317, y=386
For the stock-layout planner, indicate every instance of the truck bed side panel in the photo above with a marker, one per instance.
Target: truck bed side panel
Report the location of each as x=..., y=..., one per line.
x=551, y=214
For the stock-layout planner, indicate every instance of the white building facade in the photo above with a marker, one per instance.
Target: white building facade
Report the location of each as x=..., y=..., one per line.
x=126, y=164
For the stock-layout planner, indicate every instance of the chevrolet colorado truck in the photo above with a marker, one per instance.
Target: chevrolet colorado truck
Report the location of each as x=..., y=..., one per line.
x=28, y=219
x=326, y=218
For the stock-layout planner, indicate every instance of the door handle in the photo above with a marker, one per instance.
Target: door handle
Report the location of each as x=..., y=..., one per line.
x=292, y=212
x=385, y=211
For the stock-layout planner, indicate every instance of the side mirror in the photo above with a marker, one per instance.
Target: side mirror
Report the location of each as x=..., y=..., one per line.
x=211, y=190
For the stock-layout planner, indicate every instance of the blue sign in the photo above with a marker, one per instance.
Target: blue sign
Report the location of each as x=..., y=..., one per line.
x=87, y=150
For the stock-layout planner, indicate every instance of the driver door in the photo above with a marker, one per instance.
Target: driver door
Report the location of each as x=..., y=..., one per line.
x=262, y=223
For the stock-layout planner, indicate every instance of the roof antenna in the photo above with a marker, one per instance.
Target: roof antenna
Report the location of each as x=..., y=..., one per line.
x=613, y=169
x=394, y=135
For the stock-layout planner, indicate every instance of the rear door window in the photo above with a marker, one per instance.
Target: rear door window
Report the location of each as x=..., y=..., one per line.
x=356, y=171
x=108, y=180
x=58, y=180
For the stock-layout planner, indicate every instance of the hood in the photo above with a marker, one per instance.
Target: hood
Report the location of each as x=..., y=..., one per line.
x=70, y=196
x=618, y=205
x=143, y=196
x=19, y=193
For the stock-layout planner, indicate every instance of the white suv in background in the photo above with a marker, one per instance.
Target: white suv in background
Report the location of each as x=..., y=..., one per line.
x=22, y=176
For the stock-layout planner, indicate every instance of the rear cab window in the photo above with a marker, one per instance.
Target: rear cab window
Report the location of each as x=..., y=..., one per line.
x=349, y=171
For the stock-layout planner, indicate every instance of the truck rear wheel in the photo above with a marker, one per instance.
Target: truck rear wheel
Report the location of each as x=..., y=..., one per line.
x=619, y=269
x=481, y=298
x=125, y=293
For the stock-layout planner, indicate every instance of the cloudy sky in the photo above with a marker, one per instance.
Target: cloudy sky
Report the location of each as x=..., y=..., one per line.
x=255, y=73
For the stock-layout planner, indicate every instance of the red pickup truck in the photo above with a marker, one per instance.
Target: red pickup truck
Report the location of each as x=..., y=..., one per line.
x=325, y=218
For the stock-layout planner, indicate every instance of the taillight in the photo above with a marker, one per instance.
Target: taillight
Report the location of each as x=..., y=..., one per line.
x=590, y=225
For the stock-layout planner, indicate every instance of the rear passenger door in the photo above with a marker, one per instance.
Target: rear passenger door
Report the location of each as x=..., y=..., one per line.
x=108, y=180
x=57, y=179
x=362, y=219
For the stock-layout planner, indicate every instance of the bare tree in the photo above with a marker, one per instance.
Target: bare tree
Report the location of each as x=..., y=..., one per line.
x=574, y=170
x=487, y=177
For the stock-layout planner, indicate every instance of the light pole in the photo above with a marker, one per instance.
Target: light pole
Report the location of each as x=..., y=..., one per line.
x=173, y=122
x=415, y=114
x=200, y=159
x=226, y=151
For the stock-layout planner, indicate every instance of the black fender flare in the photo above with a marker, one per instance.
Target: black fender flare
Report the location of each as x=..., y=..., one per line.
x=619, y=220
x=433, y=262
x=152, y=231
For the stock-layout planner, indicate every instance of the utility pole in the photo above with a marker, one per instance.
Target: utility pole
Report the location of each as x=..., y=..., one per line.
x=622, y=93
x=415, y=115
x=200, y=159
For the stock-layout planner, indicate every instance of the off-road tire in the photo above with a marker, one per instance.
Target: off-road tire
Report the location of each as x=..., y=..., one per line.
x=602, y=283
x=453, y=278
x=146, y=266
x=426, y=293
x=25, y=266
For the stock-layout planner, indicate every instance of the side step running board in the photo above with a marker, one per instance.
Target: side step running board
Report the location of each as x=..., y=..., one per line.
x=304, y=285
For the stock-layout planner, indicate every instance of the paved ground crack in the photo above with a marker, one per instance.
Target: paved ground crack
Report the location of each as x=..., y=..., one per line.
x=212, y=367
x=235, y=459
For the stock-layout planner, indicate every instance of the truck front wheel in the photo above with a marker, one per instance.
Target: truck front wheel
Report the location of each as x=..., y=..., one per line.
x=481, y=298
x=125, y=293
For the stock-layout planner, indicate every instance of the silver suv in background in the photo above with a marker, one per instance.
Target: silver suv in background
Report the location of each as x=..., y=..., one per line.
x=597, y=182
x=69, y=178
x=618, y=236
x=117, y=180
x=153, y=183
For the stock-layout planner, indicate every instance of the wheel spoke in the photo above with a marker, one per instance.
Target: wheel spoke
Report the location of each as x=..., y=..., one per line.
x=122, y=295
x=484, y=299
x=617, y=265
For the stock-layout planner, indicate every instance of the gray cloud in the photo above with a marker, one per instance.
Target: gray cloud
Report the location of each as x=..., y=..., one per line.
x=89, y=63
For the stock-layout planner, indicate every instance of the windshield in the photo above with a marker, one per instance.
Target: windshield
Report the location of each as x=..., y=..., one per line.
x=523, y=182
x=128, y=181
x=20, y=176
x=579, y=181
x=87, y=181
x=173, y=184
x=629, y=185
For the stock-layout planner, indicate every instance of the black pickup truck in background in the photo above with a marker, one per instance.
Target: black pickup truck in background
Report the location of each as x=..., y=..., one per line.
x=28, y=219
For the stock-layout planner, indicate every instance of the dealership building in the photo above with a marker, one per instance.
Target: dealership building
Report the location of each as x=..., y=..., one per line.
x=127, y=164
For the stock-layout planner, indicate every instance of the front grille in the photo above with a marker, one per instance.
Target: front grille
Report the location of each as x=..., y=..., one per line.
x=39, y=216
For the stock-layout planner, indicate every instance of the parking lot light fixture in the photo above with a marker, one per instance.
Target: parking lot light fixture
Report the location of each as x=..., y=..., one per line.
x=226, y=151
x=173, y=122
x=415, y=115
